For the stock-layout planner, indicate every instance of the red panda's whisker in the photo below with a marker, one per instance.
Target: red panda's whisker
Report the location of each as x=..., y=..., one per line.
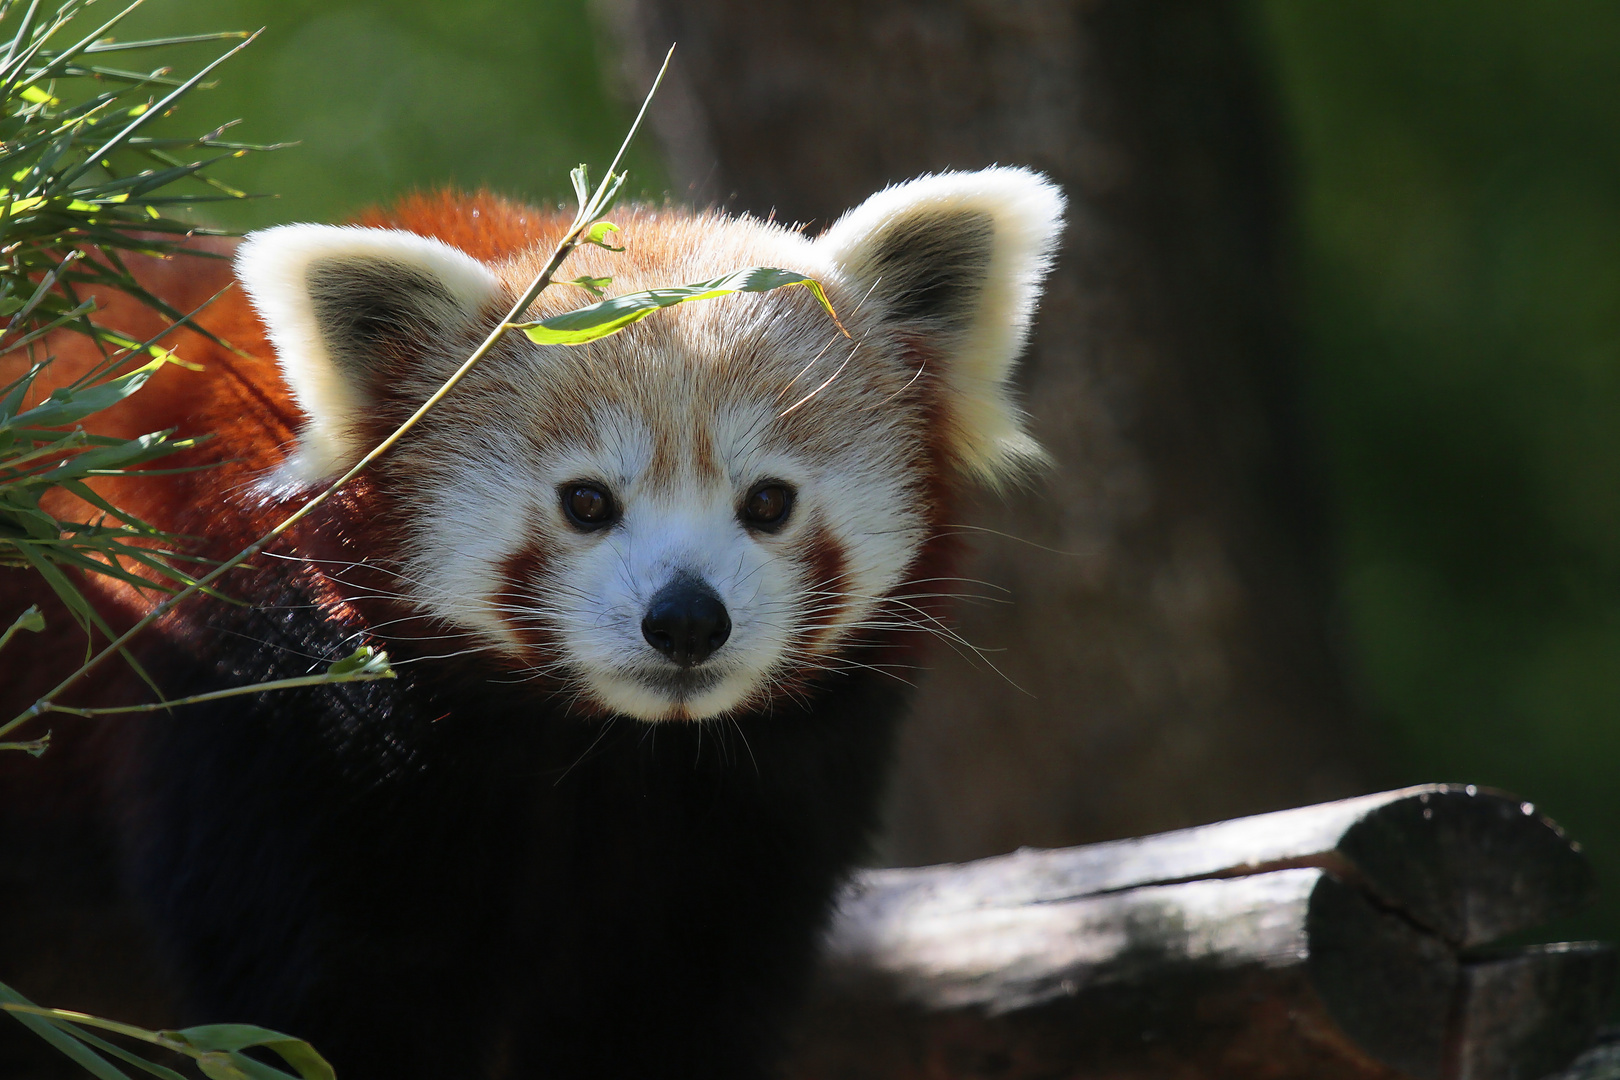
x=914, y=377
x=405, y=661
x=966, y=580
x=852, y=351
x=832, y=339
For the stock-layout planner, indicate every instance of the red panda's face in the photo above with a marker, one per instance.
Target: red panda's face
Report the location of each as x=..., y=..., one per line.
x=681, y=524
x=709, y=510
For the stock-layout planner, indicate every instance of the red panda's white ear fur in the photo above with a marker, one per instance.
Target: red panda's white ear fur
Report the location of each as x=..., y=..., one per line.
x=959, y=258
x=323, y=291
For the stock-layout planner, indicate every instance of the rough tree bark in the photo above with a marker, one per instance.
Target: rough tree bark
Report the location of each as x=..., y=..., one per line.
x=1168, y=582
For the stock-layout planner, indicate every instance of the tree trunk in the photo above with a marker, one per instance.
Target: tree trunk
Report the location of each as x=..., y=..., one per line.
x=1165, y=658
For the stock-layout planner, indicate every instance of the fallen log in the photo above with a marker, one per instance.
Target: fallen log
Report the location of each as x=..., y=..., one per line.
x=1348, y=940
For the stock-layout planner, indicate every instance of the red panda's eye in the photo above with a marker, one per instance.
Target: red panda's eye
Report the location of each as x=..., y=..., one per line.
x=588, y=505
x=767, y=504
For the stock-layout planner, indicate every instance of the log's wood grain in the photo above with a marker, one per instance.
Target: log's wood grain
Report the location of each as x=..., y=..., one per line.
x=1472, y=867
x=1001, y=959
x=1388, y=982
x=1340, y=940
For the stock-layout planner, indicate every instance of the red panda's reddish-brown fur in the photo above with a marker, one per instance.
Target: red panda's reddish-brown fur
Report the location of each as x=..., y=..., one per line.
x=492, y=866
x=237, y=403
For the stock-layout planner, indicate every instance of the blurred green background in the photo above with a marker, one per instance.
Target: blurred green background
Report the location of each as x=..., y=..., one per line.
x=1459, y=218
x=1458, y=184
x=388, y=97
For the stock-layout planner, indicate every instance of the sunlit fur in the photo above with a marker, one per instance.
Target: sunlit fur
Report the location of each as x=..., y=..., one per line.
x=986, y=431
x=274, y=268
x=678, y=417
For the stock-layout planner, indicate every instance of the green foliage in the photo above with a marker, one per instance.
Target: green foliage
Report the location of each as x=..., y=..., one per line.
x=87, y=184
x=30, y=620
x=598, y=235
x=215, y=1048
x=83, y=176
x=610, y=316
x=364, y=663
x=37, y=456
x=389, y=96
x=1460, y=208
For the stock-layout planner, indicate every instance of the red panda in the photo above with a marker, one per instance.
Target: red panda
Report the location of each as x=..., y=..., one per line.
x=653, y=602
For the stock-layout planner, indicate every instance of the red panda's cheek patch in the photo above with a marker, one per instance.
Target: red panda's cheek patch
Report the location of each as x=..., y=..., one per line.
x=824, y=569
x=522, y=580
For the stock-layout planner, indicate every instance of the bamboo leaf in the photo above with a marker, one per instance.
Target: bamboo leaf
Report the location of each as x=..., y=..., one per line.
x=65, y=406
x=581, y=176
x=96, y=1042
x=597, y=234
x=162, y=1072
x=223, y=1066
x=596, y=286
x=607, y=194
x=80, y=608
x=610, y=316
x=60, y=59
x=91, y=1061
x=118, y=456
x=145, y=115
x=363, y=661
x=73, y=315
x=30, y=620
x=226, y=1039
x=153, y=43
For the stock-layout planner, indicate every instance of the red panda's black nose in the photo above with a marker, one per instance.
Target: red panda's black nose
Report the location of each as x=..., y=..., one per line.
x=686, y=622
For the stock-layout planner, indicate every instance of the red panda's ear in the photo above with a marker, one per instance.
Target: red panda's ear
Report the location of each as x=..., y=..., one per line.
x=957, y=259
x=340, y=303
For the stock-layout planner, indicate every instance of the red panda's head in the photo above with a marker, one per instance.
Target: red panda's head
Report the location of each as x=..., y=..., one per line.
x=684, y=519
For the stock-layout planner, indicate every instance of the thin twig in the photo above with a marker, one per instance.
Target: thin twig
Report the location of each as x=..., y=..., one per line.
x=322, y=679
